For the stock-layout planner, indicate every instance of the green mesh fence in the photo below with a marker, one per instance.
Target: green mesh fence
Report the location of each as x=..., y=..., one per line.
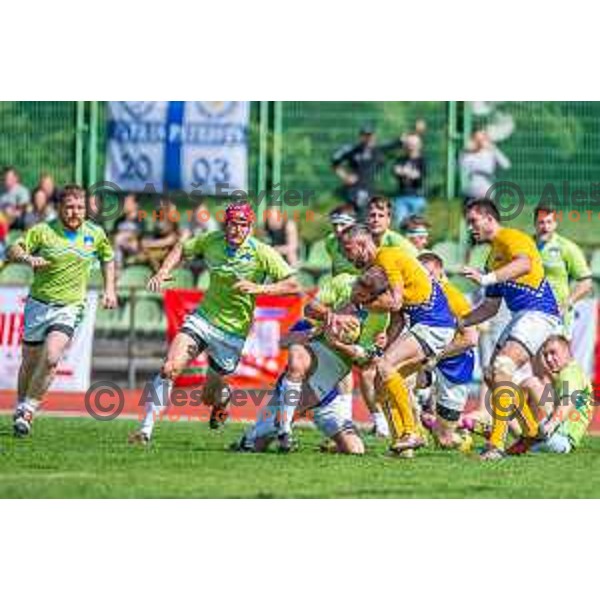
x=313, y=131
x=39, y=136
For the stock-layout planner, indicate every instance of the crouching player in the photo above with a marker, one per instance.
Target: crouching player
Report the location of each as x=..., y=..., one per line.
x=241, y=267
x=319, y=359
x=62, y=253
x=573, y=402
x=452, y=369
x=515, y=273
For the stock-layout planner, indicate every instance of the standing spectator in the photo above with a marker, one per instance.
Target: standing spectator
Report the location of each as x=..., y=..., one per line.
x=128, y=231
x=416, y=230
x=479, y=164
x=46, y=183
x=39, y=211
x=356, y=166
x=282, y=234
x=410, y=173
x=164, y=236
x=14, y=197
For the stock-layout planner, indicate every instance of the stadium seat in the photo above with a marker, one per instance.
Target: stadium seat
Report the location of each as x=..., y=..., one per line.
x=136, y=276
x=451, y=254
x=16, y=274
x=595, y=263
x=182, y=279
x=147, y=316
x=203, y=280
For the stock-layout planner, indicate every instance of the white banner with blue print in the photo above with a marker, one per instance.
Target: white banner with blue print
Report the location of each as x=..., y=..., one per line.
x=171, y=146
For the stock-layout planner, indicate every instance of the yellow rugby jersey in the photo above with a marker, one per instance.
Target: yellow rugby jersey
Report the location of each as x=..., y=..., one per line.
x=458, y=302
x=528, y=292
x=423, y=299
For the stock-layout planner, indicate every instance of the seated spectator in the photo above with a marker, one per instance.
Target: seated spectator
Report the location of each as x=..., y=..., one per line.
x=282, y=234
x=128, y=231
x=201, y=222
x=46, y=183
x=3, y=236
x=410, y=172
x=416, y=229
x=39, y=211
x=164, y=235
x=14, y=197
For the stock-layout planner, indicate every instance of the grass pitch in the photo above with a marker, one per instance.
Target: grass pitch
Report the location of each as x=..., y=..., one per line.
x=83, y=458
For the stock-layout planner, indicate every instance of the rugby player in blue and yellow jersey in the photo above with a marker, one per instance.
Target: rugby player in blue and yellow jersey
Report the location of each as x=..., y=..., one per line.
x=514, y=272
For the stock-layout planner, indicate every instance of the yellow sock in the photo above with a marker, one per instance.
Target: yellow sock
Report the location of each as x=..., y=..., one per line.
x=502, y=411
x=527, y=417
x=393, y=417
x=400, y=400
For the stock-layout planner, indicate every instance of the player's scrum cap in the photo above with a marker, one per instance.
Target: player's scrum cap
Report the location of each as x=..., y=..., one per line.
x=240, y=211
x=416, y=231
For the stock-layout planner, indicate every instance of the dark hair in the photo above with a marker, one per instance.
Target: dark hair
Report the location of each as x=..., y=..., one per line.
x=357, y=230
x=380, y=202
x=8, y=168
x=485, y=206
x=375, y=279
x=543, y=208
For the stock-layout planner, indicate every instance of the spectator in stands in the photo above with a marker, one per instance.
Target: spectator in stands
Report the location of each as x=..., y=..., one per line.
x=416, y=230
x=165, y=234
x=46, y=183
x=410, y=173
x=3, y=236
x=39, y=211
x=14, y=197
x=356, y=166
x=128, y=231
x=479, y=164
x=282, y=234
x=201, y=222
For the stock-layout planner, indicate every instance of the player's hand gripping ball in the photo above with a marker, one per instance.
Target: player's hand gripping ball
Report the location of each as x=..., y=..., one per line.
x=347, y=330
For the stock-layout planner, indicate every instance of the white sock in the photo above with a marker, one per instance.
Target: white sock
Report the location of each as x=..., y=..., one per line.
x=162, y=392
x=29, y=404
x=381, y=424
x=289, y=398
x=347, y=404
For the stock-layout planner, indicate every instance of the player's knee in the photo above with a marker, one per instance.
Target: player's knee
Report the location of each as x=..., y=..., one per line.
x=504, y=368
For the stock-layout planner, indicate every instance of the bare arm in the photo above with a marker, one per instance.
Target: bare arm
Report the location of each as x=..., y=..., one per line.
x=16, y=253
x=581, y=289
x=109, y=297
x=519, y=266
x=286, y=287
x=482, y=312
x=466, y=340
x=171, y=261
x=389, y=301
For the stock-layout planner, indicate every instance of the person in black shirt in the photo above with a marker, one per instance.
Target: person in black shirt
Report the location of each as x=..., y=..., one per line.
x=128, y=231
x=356, y=166
x=410, y=172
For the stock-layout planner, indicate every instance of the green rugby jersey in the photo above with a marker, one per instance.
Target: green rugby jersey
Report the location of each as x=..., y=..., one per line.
x=336, y=292
x=71, y=255
x=224, y=307
x=574, y=382
x=564, y=262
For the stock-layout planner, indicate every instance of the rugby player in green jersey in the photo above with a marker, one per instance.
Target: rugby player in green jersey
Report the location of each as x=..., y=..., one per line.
x=241, y=267
x=565, y=266
x=61, y=253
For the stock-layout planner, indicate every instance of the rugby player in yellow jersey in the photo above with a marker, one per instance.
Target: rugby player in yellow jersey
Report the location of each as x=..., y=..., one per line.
x=454, y=366
x=413, y=296
x=515, y=273
x=62, y=253
x=241, y=267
